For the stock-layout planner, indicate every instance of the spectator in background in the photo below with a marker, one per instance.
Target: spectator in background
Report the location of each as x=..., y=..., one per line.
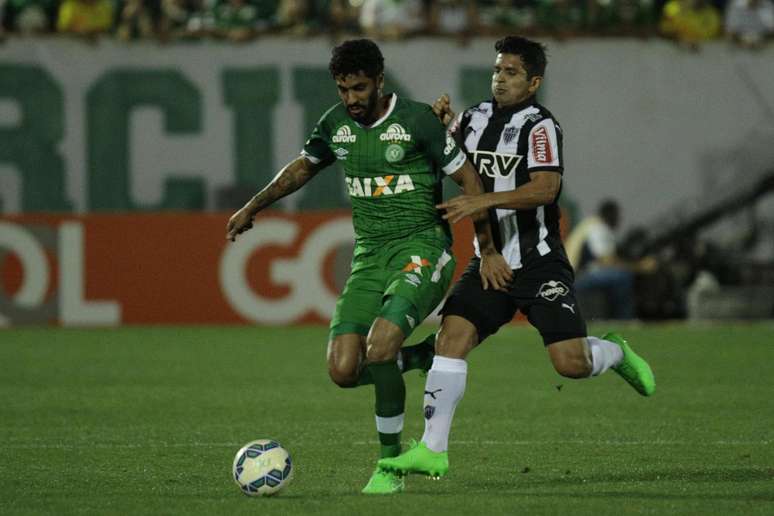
x=235, y=20
x=138, y=20
x=457, y=18
x=28, y=16
x=293, y=16
x=749, y=22
x=561, y=18
x=185, y=19
x=341, y=16
x=690, y=22
x=499, y=17
x=591, y=248
x=392, y=19
x=622, y=17
x=85, y=18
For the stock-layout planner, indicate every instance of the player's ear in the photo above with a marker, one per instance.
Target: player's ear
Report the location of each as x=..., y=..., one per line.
x=534, y=84
x=380, y=82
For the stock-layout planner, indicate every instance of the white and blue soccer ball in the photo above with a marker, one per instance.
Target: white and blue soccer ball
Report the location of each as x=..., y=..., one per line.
x=262, y=468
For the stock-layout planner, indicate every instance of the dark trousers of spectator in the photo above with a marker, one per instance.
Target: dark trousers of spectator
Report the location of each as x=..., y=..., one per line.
x=617, y=285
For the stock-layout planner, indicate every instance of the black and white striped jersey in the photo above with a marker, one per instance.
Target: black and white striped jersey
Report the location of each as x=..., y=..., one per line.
x=505, y=145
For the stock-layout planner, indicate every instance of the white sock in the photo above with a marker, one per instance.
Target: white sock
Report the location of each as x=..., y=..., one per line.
x=444, y=388
x=604, y=355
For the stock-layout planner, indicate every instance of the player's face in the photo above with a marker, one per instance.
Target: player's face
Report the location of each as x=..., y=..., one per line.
x=360, y=94
x=510, y=84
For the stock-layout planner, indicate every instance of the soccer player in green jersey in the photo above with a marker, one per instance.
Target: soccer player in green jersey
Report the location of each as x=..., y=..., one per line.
x=394, y=152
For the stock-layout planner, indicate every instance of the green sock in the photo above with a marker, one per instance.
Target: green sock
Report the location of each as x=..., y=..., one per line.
x=390, y=391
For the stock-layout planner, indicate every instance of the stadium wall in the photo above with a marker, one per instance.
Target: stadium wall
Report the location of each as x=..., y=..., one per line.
x=141, y=127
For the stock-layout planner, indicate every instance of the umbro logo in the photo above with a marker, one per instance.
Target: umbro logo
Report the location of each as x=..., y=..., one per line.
x=341, y=153
x=344, y=135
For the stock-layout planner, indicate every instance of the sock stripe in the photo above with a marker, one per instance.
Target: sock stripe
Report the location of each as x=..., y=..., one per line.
x=389, y=425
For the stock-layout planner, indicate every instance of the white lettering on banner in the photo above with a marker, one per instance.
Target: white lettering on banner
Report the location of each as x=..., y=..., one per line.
x=35, y=268
x=303, y=274
x=74, y=309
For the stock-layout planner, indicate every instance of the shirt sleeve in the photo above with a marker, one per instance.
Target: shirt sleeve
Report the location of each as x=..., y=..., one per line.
x=439, y=144
x=316, y=148
x=545, y=147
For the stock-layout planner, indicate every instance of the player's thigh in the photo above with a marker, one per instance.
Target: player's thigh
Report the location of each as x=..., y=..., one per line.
x=420, y=276
x=361, y=300
x=546, y=294
x=486, y=310
x=345, y=356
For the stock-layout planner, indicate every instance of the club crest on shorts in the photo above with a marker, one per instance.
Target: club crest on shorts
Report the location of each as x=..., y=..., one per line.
x=552, y=290
x=429, y=411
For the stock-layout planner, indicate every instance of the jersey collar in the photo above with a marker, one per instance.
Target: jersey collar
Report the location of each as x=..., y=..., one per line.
x=390, y=108
x=513, y=109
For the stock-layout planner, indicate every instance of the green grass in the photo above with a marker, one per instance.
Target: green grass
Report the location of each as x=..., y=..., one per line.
x=147, y=420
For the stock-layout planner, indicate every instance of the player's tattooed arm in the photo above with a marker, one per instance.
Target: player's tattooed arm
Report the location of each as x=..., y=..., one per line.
x=495, y=271
x=293, y=176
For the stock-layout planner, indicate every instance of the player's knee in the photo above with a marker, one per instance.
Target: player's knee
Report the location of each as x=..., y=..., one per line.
x=343, y=375
x=572, y=365
x=380, y=351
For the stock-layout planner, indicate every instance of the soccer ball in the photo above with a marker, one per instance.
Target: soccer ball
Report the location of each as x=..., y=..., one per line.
x=262, y=468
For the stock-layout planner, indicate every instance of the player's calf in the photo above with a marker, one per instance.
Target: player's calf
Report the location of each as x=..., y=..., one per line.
x=571, y=358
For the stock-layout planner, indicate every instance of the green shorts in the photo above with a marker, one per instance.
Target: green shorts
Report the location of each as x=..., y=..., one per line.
x=400, y=282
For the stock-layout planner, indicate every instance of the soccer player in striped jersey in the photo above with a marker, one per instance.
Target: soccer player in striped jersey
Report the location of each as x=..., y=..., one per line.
x=395, y=153
x=516, y=145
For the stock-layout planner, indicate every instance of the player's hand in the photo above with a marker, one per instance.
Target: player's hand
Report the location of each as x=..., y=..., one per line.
x=442, y=109
x=495, y=271
x=239, y=222
x=462, y=206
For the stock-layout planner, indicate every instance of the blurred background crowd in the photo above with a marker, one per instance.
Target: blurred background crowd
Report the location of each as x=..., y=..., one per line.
x=748, y=23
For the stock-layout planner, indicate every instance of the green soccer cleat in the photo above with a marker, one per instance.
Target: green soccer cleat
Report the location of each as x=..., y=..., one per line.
x=418, y=459
x=383, y=482
x=633, y=368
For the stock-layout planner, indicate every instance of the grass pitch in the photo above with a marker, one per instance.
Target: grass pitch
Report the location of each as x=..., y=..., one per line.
x=147, y=421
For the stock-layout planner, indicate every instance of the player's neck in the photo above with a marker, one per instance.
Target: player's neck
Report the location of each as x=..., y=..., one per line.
x=382, y=107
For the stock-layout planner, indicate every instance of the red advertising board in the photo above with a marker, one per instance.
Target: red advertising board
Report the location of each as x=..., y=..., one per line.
x=176, y=268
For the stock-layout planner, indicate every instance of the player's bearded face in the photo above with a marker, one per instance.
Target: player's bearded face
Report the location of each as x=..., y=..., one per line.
x=510, y=84
x=360, y=94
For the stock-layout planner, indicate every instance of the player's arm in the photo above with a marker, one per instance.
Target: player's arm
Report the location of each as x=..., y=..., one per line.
x=544, y=166
x=293, y=176
x=495, y=271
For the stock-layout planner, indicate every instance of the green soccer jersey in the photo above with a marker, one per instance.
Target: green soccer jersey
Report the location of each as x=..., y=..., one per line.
x=393, y=167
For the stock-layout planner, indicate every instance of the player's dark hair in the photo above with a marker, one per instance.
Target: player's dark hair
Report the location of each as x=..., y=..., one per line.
x=354, y=56
x=532, y=53
x=609, y=211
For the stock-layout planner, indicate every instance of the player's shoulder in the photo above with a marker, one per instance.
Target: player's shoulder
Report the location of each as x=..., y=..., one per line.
x=485, y=107
x=410, y=108
x=537, y=113
x=333, y=115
